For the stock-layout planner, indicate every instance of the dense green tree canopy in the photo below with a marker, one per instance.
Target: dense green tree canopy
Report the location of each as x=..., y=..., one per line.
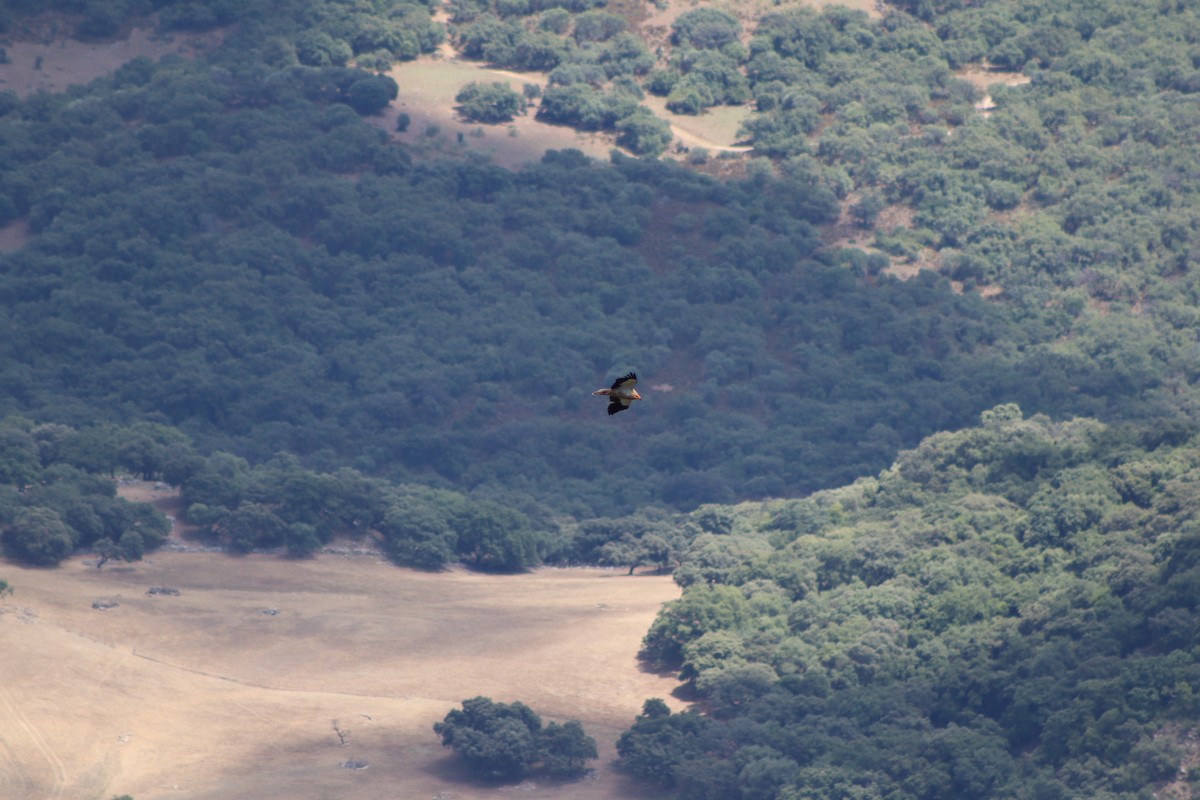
x=57, y=494
x=1002, y=613
x=491, y=103
x=508, y=740
x=226, y=247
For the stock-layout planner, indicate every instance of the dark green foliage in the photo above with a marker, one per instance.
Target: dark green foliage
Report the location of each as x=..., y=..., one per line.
x=507, y=43
x=643, y=134
x=493, y=537
x=316, y=48
x=370, y=94
x=251, y=526
x=707, y=607
x=1107, y=100
x=38, y=536
x=490, y=103
x=1002, y=613
x=200, y=261
x=597, y=26
x=589, y=47
x=647, y=539
x=566, y=749
x=705, y=28
x=581, y=106
x=56, y=494
x=418, y=528
x=506, y=741
x=660, y=741
x=707, y=79
x=312, y=303
x=19, y=462
x=193, y=15
x=280, y=503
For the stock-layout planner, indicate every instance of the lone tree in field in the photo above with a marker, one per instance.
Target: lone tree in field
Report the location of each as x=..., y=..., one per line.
x=506, y=741
x=489, y=102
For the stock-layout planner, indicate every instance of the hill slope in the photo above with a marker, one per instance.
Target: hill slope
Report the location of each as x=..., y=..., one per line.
x=229, y=248
x=203, y=695
x=1008, y=611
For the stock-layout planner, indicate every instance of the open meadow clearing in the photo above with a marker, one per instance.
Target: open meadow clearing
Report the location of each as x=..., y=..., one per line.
x=428, y=86
x=232, y=687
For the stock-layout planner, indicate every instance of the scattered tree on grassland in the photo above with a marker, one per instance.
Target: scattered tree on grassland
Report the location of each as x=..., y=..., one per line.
x=506, y=741
x=489, y=102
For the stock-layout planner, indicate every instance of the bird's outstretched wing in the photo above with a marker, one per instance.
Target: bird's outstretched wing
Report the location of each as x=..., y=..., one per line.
x=625, y=382
x=617, y=404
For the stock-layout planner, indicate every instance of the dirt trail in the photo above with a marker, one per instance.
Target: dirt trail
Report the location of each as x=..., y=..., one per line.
x=21, y=734
x=428, y=86
x=34, y=763
x=694, y=140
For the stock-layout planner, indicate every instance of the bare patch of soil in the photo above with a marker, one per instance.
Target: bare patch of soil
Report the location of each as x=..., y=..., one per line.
x=983, y=77
x=715, y=130
x=846, y=233
x=14, y=235
x=429, y=84
x=206, y=695
x=163, y=497
x=43, y=58
x=1188, y=742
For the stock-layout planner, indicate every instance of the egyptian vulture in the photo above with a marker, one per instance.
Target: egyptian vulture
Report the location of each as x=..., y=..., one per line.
x=621, y=394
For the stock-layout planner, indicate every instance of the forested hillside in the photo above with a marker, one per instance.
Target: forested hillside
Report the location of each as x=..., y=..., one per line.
x=227, y=247
x=235, y=283
x=1078, y=179
x=1008, y=611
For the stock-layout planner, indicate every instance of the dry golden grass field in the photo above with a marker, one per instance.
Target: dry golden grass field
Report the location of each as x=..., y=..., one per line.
x=428, y=86
x=208, y=695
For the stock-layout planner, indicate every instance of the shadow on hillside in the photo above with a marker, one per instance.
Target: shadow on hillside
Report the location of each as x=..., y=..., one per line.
x=651, y=667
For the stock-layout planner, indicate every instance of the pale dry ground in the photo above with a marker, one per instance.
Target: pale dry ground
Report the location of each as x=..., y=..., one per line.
x=983, y=77
x=67, y=62
x=428, y=86
x=14, y=235
x=715, y=130
x=204, y=696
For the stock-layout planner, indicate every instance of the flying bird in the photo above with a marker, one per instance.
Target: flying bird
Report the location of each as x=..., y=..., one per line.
x=621, y=394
